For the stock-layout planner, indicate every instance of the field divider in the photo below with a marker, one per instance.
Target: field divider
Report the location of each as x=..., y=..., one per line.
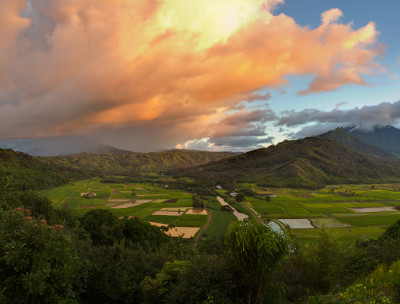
x=200, y=233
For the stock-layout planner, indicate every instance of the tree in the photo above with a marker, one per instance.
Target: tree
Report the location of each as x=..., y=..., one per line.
x=208, y=279
x=197, y=202
x=259, y=250
x=155, y=290
x=239, y=197
x=37, y=261
x=102, y=227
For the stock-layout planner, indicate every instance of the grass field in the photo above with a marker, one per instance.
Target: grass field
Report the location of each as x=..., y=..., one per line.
x=149, y=199
x=220, y=220
x=328, y=207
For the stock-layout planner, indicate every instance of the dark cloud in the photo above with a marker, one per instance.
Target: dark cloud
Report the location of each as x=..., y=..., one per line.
x=52, y=146
x=259, y=97
x=242, y=123
x=246, y=142
x=365, y=117
x=314, y=122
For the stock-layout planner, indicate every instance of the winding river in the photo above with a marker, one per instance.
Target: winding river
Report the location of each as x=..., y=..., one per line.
x=240, y=216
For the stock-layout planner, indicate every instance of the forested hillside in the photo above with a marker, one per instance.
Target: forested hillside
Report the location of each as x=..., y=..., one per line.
x=131, y=163
x=25, y=172
x=310, y=162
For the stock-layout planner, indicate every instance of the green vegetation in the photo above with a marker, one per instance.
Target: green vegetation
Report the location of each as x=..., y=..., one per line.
x=259, y=250
x=25, y=172
x=99, y=258
x=37, y=261
x=134, y=164
x=311, y=162
x=89, y=240
x=371, y=220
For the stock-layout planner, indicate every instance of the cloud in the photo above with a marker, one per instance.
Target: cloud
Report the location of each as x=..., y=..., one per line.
x=229, y=143
x=315, y=129
x=315, y=121
x=242, y=123
x=331, y=16
x=384, y=113
x=247, y=143
x=243, y=129
x=120, y=69
x=338, y=105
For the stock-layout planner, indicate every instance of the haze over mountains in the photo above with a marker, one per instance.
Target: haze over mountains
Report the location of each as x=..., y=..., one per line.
x=330, y=158
x=384, y=137
x=387, y=138
x=52, y=146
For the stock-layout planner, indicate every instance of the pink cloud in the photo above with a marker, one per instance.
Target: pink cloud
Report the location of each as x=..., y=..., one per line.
x=80, y=66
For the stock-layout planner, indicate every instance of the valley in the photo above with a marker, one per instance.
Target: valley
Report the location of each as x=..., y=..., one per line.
x=349, y=213
x=321, y=213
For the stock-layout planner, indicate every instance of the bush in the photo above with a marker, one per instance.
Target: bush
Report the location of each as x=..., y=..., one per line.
x=37, y=261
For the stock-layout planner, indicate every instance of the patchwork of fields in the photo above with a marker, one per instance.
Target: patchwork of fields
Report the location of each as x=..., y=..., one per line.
x=155, y=204
x=348, y=212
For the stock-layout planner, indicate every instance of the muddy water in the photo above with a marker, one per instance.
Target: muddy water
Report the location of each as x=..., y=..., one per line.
x=240, y=216
x=373, y=209
x=197, y=211
x=185, y=232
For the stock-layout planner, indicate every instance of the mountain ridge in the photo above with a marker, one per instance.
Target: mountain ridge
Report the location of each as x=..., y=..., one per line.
x=352, y=142
x=312, y=162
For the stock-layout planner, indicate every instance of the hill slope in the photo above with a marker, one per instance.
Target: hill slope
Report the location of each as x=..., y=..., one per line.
x=352, y=142
x=310, y=162
x=386, y=138
x=132, y=163
x=26, y=172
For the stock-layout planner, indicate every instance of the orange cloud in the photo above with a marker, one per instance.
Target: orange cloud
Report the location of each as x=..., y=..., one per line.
x=82, y=65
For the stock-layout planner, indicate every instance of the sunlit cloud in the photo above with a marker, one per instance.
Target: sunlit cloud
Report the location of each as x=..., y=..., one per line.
x=114, y=68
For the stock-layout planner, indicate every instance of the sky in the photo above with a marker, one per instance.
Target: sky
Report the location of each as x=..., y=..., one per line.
x=219, y=75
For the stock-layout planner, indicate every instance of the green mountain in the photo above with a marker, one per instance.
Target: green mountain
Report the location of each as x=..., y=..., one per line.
x=125, y=162
x=310, y=162
x=386, y=138
x=26, y=172
x=352, y=142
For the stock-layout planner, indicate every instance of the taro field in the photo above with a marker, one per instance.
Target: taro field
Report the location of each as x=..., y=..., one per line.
x=158, y=205
x=347, y=212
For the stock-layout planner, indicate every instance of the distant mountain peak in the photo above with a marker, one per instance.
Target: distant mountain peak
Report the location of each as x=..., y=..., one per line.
x=310, y=162
x=352, y=142
x=386, y=137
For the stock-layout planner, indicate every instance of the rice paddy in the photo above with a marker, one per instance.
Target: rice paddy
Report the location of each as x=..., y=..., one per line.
x=157, y=205
x=348, y=212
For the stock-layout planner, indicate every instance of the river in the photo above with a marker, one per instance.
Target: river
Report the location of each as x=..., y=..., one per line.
x=240, y=216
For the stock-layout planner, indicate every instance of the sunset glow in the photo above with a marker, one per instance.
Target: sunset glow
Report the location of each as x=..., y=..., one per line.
x=168, y=66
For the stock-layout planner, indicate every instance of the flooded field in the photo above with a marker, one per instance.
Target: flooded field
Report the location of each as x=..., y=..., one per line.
x=297, y=223
x=158, y=224
x=128, y=205
x=168, y=212
x=373, y=209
